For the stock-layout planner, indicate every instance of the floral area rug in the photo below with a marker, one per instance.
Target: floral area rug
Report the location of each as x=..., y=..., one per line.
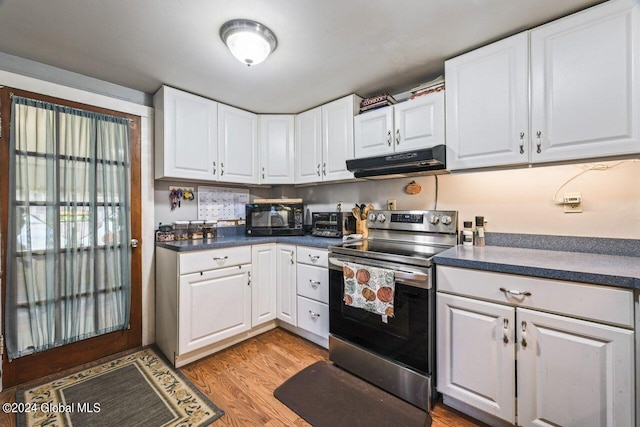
x=139, y=389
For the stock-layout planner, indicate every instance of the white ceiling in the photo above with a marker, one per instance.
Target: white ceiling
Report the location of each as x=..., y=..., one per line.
x=326, y=48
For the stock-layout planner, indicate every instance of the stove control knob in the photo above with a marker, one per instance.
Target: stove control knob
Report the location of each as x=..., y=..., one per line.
x=382, y=218
x=445, y=220
x=433, y=219
x=372, y=217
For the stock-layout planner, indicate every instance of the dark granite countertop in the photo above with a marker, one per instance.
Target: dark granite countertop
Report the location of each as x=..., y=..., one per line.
x=243, y=240
x=601, y=269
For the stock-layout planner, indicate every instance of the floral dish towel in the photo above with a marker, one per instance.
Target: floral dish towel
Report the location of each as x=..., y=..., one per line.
x=369, y=288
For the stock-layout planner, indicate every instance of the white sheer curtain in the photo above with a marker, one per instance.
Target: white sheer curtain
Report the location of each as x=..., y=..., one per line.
x=69, y=259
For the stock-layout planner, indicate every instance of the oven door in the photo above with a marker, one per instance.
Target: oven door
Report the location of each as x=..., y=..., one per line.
x=404, y=338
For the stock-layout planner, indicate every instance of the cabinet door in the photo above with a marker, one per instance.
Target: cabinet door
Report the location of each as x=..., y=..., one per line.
x=419, y=123
x=487, y=118
x=286, y=283
x=337, y=138
x=475, y=364
x=585, y=84
x=263, y=283
x=573, y=373
x=186, y=135
x=308, y=142
x=213, y=306
x=373, y=132
x=276, y=149
x=238, y=145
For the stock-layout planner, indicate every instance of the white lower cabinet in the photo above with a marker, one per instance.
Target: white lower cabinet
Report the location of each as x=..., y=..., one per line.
x=210, y=299
x=475, y=364
x=286, y=284
x=569, y=371
x=213, y=306
x=313, y=291
x=263, y=283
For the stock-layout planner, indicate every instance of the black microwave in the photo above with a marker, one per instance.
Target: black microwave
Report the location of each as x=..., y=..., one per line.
x=274, y=219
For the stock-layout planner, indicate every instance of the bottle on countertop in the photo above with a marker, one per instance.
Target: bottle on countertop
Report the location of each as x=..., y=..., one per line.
x=467, y=234
x=479, y=235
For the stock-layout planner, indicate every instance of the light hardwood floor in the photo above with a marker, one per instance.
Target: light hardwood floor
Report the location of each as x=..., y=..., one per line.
x=241, y=380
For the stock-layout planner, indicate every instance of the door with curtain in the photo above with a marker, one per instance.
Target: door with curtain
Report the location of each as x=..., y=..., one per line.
x=69, y=209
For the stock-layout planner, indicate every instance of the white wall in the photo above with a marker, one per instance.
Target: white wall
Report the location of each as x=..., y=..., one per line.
x=146, y=114
x=512, y=201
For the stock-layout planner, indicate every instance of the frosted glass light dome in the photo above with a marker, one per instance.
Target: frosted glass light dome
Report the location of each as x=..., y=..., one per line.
x=249, y=41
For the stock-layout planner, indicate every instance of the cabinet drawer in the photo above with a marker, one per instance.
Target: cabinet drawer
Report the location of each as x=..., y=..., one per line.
x=312, y=256
x=591, y=302
x=313, y=282
x=193, y=262
x=313, y=316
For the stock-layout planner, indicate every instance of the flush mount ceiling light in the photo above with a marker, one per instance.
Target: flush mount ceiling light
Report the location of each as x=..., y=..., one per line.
x=249, y=41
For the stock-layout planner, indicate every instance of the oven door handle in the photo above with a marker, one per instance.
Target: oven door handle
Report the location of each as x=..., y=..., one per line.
x=398, y=274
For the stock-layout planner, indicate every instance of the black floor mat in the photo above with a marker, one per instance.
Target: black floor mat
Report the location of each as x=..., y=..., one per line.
x=325, y=395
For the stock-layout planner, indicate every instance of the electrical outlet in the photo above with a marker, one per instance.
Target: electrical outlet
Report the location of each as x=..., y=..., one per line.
x=391, y=204
x=572, y=202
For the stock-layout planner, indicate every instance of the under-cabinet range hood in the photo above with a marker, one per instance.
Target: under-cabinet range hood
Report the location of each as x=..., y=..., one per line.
x=410, y=163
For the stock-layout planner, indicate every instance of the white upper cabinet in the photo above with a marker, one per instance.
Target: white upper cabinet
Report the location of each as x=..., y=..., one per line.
x=409, y=125
x=324, y=141
x=487, y=105
x=337, y=137
x=276, y=148
x=237, y=145
x=186, y=135
x=308, y=151
x=585, y=84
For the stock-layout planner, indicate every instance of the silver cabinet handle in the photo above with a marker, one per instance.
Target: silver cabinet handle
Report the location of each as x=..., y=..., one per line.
x=221, y=168
x=248, y=278
x=324, y=169
x=516, y=293
x=521, y=142
x=397, y=136
x=263, y=172
x=214, y=168
x=505, y=331
x=220, y=258
x=291, y=257
x=314, y=283
x=314, y=258
x=318, y=169
x=539, y=144
x=389, y=138
x=314, y=315
x=524, y=334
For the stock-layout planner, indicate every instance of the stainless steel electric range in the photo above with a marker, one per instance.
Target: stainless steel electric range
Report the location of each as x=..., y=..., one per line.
x=394, y=353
